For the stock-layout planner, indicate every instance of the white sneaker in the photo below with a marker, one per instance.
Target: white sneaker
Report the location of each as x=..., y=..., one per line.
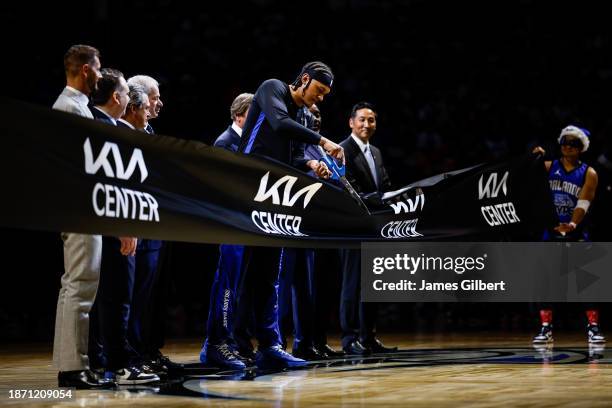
x=595, y=335
x=134, y=375
x=544, y=336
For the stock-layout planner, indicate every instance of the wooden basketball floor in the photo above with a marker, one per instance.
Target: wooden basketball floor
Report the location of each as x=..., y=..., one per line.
x=493, y=370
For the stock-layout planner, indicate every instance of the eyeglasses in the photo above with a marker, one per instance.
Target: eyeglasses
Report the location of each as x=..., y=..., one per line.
x=571, y=142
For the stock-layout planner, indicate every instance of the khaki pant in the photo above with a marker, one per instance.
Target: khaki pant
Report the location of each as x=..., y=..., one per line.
x=82, y=257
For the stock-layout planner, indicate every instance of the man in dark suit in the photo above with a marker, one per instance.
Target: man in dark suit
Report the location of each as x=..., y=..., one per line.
x=137, y=110
x=111, y=97
x=109, y=102
x=146, y=331
x=112, y=308
x=299, y=280
x=230, y=138
x=151, y=88
x=365, y=171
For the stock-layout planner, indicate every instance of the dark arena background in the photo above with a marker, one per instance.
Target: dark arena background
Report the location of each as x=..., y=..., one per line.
x=454, y=85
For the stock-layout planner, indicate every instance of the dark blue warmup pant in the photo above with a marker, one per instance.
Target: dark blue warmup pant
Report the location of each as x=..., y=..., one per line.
x=219, y=327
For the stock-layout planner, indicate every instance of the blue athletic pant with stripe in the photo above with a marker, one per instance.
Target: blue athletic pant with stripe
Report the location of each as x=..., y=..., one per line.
x=258, y=294
x=219, y=327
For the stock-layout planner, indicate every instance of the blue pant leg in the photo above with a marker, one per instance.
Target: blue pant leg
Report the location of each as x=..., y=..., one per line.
x=261, y=283
x=147, y=261
x=223, y=294
x=267, y=329
x=285, y=290
x=244, y=316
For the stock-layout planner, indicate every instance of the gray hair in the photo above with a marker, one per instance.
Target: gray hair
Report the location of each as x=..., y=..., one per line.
x=145, y=81
x=138, y=96
x=240, y=105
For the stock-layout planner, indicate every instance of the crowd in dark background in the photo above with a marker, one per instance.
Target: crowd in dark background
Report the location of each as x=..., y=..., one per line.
x=454, y=85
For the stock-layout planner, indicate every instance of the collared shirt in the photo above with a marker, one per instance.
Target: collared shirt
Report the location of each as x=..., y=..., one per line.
x=361, y=145
x=237, y=129
x=367, y=152
x=107, y=115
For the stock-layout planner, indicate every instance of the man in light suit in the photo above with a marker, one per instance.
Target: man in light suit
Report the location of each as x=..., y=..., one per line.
x=366, y=173
x=82, y=253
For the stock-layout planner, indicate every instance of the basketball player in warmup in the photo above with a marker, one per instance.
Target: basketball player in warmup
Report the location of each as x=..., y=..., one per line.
x=270, y=130
x=572, y=184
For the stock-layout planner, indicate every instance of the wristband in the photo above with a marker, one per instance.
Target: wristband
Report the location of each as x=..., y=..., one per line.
x=584, y=204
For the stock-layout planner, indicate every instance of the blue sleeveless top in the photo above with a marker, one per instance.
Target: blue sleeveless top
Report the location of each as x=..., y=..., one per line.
x=565, y=188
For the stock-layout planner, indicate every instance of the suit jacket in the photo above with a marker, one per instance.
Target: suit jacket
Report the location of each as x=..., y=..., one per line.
x=228, y=140
x=123, y=125
x=357, y=169
x=73, y=102
x=101, y=116
x=144, y=244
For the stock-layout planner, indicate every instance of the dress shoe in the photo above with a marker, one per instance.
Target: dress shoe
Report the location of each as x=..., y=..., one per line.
x=276, y=357
x=308, y=354
x=153, y=369
x=355, y=347
x=378, y=348
x=328, y=351
x=83, y=379
x=159, y=363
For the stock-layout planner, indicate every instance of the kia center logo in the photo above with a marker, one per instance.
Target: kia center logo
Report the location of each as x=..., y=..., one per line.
x=409, y=205
x=288, y=199
x=119, y=171
x=496, y=214
x=400, y=229
x=282, y=194
x=492, y=186
x=119, y=202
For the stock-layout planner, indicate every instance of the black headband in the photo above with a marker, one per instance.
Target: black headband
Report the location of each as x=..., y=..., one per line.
x=323, y=77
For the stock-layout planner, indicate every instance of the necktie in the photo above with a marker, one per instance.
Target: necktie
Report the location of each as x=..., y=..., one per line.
x=370, y=159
